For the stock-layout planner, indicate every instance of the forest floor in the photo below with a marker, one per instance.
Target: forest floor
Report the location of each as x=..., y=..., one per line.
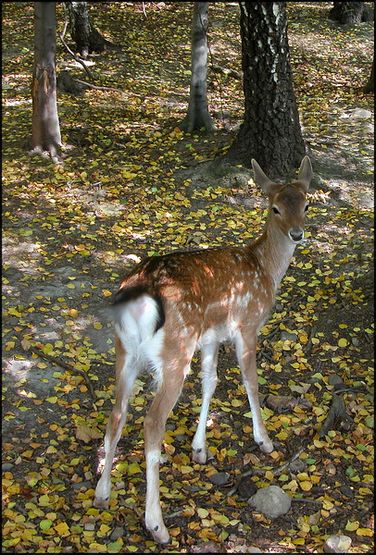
x=132, y=184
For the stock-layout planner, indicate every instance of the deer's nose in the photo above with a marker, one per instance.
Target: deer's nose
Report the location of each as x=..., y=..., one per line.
x=296, y=234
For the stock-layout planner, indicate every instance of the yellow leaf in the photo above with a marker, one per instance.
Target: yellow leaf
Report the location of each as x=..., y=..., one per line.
x=352, y=526
x=343, y=342
x=44, y=501
x=364, y=532
x=73, y=313
x=305, y=485
x=185, y=469
x=327, y=505
x=62, y=529
x=133, y=468
x=202, y=513
x=86, y=434
x=106, y=293
x=9, y=345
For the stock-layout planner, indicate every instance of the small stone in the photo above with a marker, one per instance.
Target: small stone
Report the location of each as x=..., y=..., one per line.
x=337, y=544
x=271, y=501
x=220, y=478
x=285, y=335
x=347, y=491
x=297, y=466
x=7, y=466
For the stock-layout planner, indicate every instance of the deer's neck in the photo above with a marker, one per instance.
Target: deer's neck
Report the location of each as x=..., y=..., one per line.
x=274, y=252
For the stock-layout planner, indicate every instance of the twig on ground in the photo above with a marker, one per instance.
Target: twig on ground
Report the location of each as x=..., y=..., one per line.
x=101, y=88
x=262, y=470
x=35, y=349
x=302, y=500
x=287, y=464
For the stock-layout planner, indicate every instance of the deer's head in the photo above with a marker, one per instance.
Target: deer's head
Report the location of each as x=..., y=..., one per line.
x=287, y=203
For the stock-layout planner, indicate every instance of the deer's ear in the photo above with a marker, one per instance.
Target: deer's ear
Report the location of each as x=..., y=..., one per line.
x=305, y=172
x=260, y=178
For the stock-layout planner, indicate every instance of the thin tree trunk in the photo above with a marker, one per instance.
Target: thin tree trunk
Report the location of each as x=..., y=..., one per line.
x=198, y=116
x=45, y=120
x=271, y=130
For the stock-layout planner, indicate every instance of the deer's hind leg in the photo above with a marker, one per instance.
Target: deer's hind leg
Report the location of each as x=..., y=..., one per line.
x=175, y=359
x=127, y=369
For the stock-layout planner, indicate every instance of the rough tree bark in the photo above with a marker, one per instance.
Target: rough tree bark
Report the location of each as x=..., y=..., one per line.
x=370, y=85
x=198, y=116
x=271, y=130
x=350, y=12
x=45, y=120
x=86, y=38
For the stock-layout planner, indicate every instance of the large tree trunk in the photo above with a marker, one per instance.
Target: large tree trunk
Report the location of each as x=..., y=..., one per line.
x=350, y=12
x=45, y=120
x=370, y=85
x=198, y=116
x=85, y=36
x=271, y=130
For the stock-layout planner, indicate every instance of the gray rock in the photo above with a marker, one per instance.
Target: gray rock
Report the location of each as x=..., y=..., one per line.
x=297, y=466
x=271, y=501
x=360, y=113
x=220, y=478
x=287, y=335
x=337, y=544
x=7, y=466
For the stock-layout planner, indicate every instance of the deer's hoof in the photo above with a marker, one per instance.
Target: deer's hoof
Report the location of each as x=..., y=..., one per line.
x=199, y=456
x=102, y=495
x=160, y=534
x=266, y=445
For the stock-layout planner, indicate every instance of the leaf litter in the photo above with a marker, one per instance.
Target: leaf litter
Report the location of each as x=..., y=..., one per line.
x=134, y=185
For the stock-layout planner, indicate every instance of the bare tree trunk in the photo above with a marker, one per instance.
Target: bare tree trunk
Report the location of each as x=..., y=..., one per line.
x=198, y=116
x=370, y=85
x=350, y=12
x=86, y=37
x=271, y=130
x=45, y=120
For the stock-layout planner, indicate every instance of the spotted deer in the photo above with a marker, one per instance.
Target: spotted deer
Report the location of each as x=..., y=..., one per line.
x=169, y=306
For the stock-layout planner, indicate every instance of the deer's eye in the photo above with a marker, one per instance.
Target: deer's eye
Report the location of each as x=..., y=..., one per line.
x=306, y=207
x=275, y=210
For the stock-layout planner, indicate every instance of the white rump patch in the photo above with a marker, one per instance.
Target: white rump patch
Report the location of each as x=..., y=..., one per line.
x=135, y=327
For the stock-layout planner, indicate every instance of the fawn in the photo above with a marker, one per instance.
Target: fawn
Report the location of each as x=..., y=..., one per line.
x=168, y=306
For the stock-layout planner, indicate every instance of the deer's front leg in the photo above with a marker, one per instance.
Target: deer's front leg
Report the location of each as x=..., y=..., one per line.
x=246, y=354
